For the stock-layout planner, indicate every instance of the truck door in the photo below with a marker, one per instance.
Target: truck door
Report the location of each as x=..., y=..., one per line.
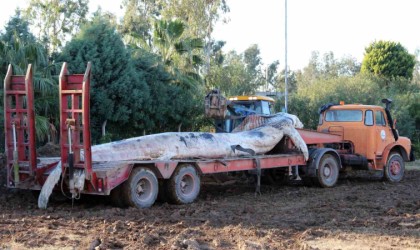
x=383, y=134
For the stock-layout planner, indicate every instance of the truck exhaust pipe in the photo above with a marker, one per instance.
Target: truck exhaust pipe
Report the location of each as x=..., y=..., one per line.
x=387, y=103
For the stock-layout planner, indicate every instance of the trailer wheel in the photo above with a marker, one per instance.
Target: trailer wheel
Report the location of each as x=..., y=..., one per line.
x=395, y=168
x=141, y=189
x=327, y=171
x=184, y=185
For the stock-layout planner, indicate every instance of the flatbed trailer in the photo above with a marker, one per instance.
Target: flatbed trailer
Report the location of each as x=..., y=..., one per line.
x=135, y=183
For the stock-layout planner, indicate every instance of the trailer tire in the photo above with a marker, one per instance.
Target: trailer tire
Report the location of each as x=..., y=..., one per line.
x=395, y=168
x=327, y=171
x=141, y=188
x=184, y=185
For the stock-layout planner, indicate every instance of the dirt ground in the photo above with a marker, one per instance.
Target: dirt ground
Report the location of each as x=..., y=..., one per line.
x=359, y=213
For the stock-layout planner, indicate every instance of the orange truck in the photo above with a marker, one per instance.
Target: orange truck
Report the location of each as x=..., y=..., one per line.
x=369, y=138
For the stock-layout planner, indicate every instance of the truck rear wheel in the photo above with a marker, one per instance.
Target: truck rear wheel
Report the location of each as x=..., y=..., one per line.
x=184, y=185
x=395, y=168
x=141, y=189
x=327, y=171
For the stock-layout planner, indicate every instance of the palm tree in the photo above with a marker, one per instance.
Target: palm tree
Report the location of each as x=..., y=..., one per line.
x=180, y=54
x=20, y=54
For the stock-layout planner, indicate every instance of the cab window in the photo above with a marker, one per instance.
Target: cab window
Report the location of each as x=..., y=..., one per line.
x=369, y=118
x=343, y=116
x=265, y=107
x=380, y=119
x=320, y=119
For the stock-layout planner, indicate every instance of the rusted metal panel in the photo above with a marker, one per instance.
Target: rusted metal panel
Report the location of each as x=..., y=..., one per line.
x=314, y=137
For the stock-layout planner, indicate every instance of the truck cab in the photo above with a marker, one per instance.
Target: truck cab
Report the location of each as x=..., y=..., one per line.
x=370, y=140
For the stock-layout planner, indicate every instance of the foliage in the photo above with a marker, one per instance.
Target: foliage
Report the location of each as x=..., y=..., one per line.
x=239, y=74
x=17, y=28
x=231, y=77
x=119, y=98
x=198, y=18
x=326, y=67
x=171, y=105
x=54, y=19
x=388, y=59
x=252, y=60
x=137, y=24
x=180, y=55
x=19, y=48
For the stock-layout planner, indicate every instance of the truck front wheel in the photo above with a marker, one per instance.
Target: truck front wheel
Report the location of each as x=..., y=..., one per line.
x=184, y=185
x=395, y=168
x=327, y=171
x=141, y=189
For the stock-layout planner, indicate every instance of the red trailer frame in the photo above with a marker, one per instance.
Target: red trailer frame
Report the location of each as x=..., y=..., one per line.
x=75, y=123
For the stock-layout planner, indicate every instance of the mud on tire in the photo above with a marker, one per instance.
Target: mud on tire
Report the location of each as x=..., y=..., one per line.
x=328, y=171
x=141, y=188
x=184, y=185
x=395, y=168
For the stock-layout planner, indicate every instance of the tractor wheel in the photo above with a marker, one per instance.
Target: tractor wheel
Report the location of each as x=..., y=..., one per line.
x=327, y=171
x=395, y=168
x=141, y=189
x=184, y=185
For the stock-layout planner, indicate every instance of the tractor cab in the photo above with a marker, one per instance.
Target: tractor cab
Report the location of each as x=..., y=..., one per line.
x=239, y=107
x=229, y=113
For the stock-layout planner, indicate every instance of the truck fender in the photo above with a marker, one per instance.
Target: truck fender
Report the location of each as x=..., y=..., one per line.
x=398, y=148
x=315, y=156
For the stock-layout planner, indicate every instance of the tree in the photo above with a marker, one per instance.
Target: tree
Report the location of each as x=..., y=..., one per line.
x=198, y=16
x=326, y=67
x=388, y=59
x=54, y=19
x=181, y=55
x=119, y=97
x=137, y=24
x=232, y=77
x=17, y=28
x=252, y=60
x=170, y=104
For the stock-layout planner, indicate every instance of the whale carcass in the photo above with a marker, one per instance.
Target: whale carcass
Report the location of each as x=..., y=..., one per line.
x=257, y=134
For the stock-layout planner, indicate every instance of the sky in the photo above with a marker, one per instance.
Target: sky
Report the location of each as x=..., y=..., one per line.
x=345, y=27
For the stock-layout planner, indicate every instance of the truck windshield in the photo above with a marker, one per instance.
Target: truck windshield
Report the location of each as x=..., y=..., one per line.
x=344, y=116
x=251, y=107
